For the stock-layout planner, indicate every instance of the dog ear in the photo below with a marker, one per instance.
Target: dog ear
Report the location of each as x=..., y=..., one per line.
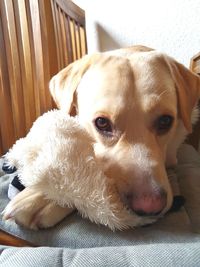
x=64, y=84
x=188, y=90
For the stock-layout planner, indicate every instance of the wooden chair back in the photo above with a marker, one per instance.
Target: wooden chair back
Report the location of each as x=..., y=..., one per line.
x=69, y=23
x=194, y=138
x=37, y=39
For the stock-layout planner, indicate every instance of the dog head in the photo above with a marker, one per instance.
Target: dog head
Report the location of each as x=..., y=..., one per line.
x=137, y=105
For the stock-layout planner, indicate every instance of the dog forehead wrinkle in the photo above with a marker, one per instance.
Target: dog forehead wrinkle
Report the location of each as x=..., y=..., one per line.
x=108, y=90
x=113, y=76
x=153, y=84
x=151, y=71
x=163, y=103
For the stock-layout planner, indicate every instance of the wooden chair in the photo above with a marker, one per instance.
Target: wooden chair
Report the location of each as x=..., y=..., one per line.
x=194, y=138
x=69, y=24
x=37, y=39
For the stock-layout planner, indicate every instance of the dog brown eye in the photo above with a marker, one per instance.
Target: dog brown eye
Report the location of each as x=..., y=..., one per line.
x=103, y=125
x=164, y=123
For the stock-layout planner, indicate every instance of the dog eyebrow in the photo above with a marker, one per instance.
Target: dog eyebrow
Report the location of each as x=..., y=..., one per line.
x=159, y=103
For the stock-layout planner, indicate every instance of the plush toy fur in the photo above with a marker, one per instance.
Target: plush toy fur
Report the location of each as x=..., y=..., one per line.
x=57, y=155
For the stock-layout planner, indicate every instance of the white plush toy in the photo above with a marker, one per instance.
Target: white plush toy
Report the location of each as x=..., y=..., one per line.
x=57, y=155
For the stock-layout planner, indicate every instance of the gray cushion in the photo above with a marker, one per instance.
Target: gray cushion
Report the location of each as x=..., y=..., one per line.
x=152, y=255
x=175, y=236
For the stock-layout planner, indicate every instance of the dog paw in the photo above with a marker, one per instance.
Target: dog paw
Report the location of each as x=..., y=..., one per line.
x=32, y=210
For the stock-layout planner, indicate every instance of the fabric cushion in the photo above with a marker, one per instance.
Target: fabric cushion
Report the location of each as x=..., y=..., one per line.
x=174, y=238
x=76, y=232
x=151, y=255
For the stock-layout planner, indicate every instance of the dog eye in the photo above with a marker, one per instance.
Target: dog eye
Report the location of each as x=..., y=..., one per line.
x=164, y=123
x=103, y=125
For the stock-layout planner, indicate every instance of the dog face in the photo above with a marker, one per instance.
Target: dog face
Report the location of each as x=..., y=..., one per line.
x=137, y=105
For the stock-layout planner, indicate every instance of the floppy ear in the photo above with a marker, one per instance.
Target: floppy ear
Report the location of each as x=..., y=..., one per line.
x=64, y=84
x=188, y=90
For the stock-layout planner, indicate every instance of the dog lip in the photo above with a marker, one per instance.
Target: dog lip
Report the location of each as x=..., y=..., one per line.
x=143, y=214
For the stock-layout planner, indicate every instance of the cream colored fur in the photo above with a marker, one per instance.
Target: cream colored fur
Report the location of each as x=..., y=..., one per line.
x=132, y=87
x=63, y=167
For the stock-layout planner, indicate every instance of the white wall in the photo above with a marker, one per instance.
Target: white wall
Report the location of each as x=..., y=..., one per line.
x=172, y=26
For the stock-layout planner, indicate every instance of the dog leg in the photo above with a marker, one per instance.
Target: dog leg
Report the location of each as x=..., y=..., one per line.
x=32, y=210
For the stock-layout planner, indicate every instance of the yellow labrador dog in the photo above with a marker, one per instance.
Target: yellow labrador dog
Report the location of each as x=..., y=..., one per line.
x=138, y=105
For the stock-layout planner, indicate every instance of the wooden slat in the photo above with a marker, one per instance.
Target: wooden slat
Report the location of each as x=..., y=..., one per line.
x=56, y=27
x=11, y=44
x=59, y=41
x=1, y=144
x=66, y=42
x=59, y=13
x=46, y=39
x=36, y=28
x=25, y=62
x=73, y=39
x=194, y=138
x=75, y=12
x=69, y=39
x=195, y=63
x=36, y=99
x=63, y=38
x=41, y=54
x=6, y=117
x=10, y=240
x=83, y=41
x=79, y=40
x=51, y=42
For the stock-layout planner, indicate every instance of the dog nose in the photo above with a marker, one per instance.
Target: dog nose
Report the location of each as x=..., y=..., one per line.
x=147, y=204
